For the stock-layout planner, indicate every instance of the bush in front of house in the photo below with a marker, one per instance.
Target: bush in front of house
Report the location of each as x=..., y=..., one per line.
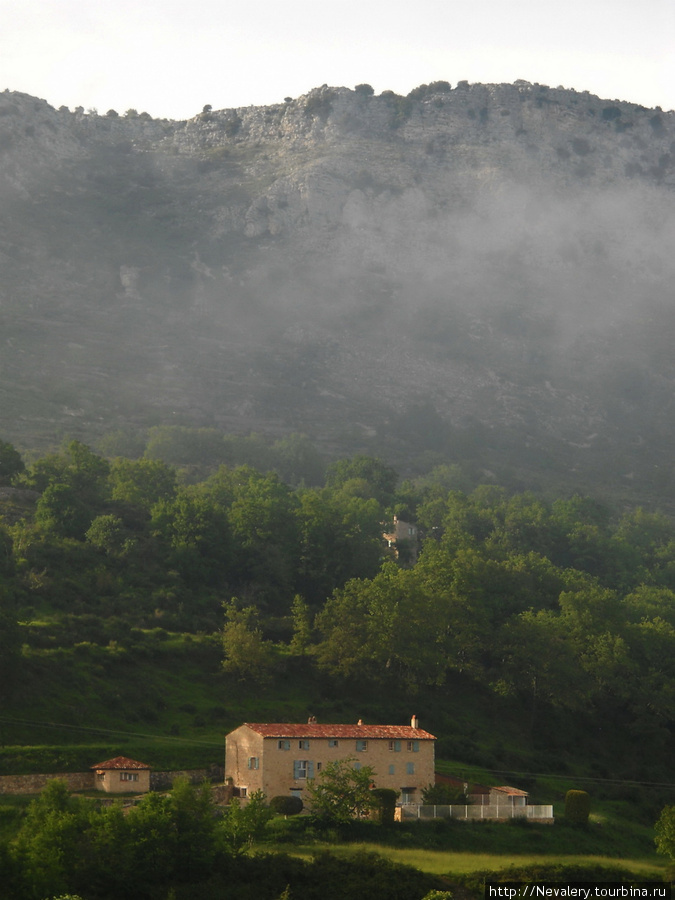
x=577, y=807
x=386, y=804
x=286, y=805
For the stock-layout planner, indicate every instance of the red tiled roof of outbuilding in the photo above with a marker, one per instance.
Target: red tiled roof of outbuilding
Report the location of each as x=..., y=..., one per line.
x=513, y=792
x=120, y=762
x=362, y=732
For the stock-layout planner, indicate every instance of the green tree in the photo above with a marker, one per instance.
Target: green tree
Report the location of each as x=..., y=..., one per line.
x=380, y=478
x=247, y=654
x=61, y=511
x=107, y=533
x=302, y=626
x=265, y=536
x=49, y=841
x=194, y=829
x=142, y=482
x=341, y=792
x=340, y=539
x=664, y=831
x=76, y=466
x=196, y=533
x=244, y=823
x=11, y=463
x=389, y=627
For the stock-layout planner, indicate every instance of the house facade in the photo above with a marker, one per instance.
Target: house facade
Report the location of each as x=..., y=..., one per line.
x=279, y=759
x=403, y=541
x=121, y=775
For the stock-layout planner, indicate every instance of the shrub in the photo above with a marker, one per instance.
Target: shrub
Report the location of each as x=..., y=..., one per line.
x=386, y=800
x=364, y=89
x=286, y=805
x=656, y=123
x=440, y=87
x=319, y=105
x=419, y=93
x=577, y=807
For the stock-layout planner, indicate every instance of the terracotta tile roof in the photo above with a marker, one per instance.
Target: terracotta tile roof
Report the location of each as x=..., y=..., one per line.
x=120, y=762
x=514, y=792
x=363, y=732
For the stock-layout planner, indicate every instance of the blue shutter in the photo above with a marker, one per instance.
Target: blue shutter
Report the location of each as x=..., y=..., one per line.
x=296, y=768
x=310, y=769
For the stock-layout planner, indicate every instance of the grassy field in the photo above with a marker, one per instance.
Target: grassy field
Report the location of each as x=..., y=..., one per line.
x=447, y=862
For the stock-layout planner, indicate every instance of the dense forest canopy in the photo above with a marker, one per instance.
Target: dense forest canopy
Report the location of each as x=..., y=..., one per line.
x=562, y=606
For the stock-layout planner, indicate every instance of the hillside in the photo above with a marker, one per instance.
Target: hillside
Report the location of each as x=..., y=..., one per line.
x=478, y=274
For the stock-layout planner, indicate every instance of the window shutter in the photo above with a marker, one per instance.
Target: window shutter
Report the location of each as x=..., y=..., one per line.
x=310, y=769
x=296, y=768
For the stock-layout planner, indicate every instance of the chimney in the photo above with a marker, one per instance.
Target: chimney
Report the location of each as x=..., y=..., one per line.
x=414, y=722
x=360, y=722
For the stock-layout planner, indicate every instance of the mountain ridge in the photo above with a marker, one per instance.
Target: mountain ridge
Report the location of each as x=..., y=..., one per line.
x=479, y=272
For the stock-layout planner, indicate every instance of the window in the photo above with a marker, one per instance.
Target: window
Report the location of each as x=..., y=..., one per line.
x=333, y=742
x=357, y=766
x=243, y=792
x=128, y=776
x=410, y=768
x=361, y=746
x=303, y=745
x=296, y=792
x=100, y=776
x=253, y=762
x=318, y=767
x=392, y=770
x=395, y=746
x=284, y=745
x=303, y=768
x=414, y=746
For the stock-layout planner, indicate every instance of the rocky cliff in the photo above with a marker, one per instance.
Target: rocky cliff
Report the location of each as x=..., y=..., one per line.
x=482, y=273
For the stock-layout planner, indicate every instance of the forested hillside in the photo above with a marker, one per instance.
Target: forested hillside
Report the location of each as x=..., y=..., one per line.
x=532, y=633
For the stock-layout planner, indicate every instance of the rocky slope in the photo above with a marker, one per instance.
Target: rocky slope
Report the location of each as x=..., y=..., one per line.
x=482, y=273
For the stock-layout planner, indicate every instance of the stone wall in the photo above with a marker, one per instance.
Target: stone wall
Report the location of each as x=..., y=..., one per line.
x=85, y=781
x=33, y=784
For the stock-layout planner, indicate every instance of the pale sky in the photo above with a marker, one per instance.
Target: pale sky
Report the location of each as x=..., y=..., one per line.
x=170, y=57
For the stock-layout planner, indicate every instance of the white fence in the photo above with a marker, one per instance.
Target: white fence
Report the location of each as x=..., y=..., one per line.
x=491, y=811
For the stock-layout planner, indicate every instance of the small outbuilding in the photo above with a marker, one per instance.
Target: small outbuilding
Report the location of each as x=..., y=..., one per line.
x=121, y=775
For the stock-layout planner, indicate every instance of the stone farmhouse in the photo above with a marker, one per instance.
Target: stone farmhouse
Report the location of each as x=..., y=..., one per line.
x=279, y=759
